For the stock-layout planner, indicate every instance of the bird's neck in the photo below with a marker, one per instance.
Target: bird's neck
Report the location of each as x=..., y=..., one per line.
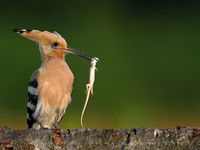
x=52, y=60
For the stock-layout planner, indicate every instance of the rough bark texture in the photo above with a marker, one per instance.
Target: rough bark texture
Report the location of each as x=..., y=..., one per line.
x=180, y=138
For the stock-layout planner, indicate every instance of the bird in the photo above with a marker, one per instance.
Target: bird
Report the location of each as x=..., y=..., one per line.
x=50, y=86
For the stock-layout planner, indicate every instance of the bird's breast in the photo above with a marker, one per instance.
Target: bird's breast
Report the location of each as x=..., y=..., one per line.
x=55, y=84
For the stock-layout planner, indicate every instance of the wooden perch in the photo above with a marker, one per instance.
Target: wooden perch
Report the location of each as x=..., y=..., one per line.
x=180, y=138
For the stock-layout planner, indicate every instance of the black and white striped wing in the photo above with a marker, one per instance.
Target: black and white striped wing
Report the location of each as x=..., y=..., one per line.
x=32, y=103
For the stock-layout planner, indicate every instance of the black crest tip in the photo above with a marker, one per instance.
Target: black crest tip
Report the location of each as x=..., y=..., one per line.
x=19, y=31
x=16, y=30
x=29, y=30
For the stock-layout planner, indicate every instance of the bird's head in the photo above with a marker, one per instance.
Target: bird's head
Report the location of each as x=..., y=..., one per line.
x=51, y=43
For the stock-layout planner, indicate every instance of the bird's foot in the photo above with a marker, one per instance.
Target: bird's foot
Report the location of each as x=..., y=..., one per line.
x=55, y=127
x=42, y=127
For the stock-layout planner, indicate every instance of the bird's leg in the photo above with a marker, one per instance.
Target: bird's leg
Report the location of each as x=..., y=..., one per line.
x=41, y=126
x=55, y=126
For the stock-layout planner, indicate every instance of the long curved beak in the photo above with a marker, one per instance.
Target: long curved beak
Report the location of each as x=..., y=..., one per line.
x=78, y=52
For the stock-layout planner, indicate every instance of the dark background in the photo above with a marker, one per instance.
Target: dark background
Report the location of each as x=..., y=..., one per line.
x=149, y=69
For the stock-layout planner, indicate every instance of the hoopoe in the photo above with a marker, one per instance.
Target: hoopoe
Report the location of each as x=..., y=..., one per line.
x=50, y=87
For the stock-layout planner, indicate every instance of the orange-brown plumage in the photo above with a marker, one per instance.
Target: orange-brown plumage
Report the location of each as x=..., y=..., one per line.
x=53, y=81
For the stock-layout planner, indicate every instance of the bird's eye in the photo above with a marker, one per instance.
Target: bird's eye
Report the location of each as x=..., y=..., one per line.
x=55, y=44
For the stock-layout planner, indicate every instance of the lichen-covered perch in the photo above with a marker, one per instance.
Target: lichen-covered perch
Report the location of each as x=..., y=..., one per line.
x=180, y=138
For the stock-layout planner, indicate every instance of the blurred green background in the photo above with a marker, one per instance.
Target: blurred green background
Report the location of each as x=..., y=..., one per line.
x=149, y=69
